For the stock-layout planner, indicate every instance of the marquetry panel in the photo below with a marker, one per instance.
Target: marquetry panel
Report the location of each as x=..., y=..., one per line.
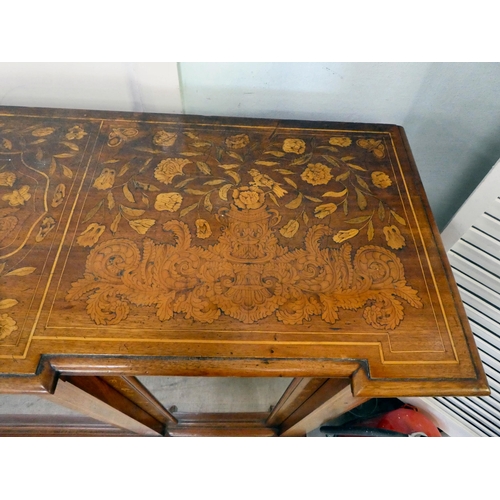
x=137, y=237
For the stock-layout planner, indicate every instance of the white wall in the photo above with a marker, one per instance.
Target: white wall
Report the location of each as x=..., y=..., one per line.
x=152, y=87
x=310, y=91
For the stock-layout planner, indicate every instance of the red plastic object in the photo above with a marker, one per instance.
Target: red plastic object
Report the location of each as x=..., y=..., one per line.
x=406, y=420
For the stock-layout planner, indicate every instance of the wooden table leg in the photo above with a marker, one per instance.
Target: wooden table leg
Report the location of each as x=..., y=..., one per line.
x=305, y=405
x=94, y=397
x=309, y=403
x=135, y=391
x=299, y=391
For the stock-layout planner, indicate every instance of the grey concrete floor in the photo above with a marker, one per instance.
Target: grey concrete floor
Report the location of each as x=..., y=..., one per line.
x=187, y=394
x=215, y=394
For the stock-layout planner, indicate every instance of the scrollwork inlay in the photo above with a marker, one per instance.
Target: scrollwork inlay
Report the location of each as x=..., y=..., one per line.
x=246, y=275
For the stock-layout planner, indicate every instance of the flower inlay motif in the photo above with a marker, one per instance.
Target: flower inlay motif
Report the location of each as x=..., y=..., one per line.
x=247, y=275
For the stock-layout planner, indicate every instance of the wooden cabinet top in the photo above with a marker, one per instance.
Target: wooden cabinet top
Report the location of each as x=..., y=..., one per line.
x=183, y=245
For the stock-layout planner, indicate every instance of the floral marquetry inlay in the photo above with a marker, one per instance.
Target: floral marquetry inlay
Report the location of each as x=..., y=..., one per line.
x=38, y=162
x=247, y=275
x=260, y=226
x=183, y=245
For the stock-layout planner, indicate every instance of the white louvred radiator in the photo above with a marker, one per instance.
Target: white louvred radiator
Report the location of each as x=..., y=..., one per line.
x=472, y=242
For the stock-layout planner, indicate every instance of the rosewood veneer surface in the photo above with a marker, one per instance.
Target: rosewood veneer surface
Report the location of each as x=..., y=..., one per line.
x=148, y=244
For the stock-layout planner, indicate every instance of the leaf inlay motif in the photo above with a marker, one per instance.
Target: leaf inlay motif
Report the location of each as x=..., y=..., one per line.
x=246, y=275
